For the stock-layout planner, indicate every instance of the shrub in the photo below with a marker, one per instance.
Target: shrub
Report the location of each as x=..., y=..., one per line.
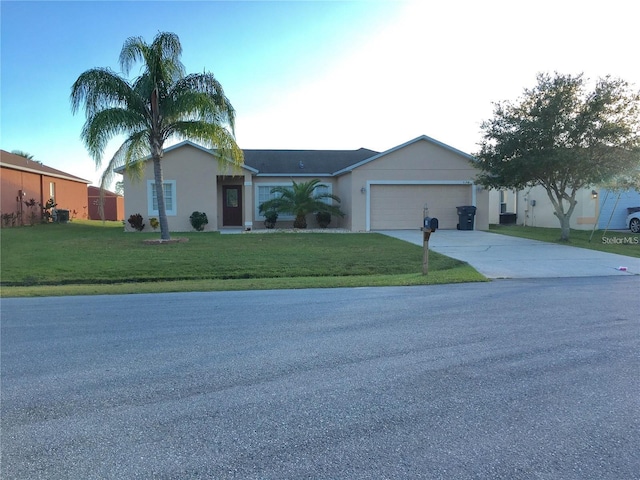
x=198, y=220
x=323, y=219
x=9, y=219
x=153, y=221
x=47, y=209
x=270, y=219
x=136, y=221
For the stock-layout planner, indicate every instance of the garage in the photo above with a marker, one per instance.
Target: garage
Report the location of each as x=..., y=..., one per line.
x=400, y=206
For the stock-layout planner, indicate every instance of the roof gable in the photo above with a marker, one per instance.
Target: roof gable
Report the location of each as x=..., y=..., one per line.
x=18, y=162
x=399, y=147
x=182, y=144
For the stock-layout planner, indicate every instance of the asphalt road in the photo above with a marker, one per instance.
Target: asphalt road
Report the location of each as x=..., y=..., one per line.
x=513, y=379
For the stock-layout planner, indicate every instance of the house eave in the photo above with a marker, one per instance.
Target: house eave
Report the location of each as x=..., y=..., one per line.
x=46, y=174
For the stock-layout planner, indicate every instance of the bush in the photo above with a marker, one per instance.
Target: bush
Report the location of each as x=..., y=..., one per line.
x=270, y=219
x=153, y=221
x=323, y=219
x=136, y=221
x=198, y=220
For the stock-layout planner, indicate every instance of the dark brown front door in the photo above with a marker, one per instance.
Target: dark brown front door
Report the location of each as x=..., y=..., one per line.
x=231, y=206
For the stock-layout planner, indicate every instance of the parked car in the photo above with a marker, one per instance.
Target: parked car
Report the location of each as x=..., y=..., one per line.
x=633, y=221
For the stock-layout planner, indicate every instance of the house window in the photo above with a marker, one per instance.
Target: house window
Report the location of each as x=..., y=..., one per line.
x=503, y=201
x=169, y=197
x=324, y=188
x=264, y=193
x=52, y=190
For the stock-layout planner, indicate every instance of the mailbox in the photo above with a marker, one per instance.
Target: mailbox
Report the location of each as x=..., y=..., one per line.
x=430, y=223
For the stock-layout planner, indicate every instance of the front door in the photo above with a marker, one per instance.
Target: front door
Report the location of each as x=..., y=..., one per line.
x=231, y=206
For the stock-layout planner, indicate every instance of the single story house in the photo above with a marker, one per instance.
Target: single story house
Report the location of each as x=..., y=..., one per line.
x=23, y=180
x=112, y=202
x=597, y=207
x=378, y=190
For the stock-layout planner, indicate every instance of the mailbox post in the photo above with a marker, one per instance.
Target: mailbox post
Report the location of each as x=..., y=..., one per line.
x=429, y=225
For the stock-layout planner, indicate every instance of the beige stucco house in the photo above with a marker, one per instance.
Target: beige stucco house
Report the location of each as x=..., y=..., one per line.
x=378, y=190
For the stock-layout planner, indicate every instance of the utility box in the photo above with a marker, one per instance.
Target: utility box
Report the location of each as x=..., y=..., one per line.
x=62, y=216
x=466, y=217
x=508, y=218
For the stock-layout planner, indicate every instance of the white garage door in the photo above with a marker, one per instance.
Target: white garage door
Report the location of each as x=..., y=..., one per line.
x=400, y=207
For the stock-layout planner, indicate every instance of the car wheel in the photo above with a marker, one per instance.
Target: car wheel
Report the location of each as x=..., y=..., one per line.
x=634, y=225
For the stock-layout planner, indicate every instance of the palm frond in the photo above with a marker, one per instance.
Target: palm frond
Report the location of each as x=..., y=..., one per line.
x=213, y=100
x=106, y=124
x=128, y=155
x=161, y=59
x=100, y=88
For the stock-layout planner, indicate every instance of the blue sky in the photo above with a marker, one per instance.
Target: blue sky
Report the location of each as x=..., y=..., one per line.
x=317, y=75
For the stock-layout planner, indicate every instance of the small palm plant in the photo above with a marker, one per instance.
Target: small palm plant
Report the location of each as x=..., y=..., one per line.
x=300, y=200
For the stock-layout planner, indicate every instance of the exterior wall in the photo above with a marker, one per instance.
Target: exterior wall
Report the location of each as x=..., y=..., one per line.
x=69, y=195
x=14, y=181
x=420, y=162
x=197, y=178
x=541, y=214
x=344, y=190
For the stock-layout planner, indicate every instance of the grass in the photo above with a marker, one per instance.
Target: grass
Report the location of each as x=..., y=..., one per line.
x=84, y=257
x=619, y=242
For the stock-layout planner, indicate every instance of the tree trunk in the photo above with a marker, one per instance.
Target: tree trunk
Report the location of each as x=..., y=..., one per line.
x=563, y=217
x=565, y=222
x=156, y=154
x=300, y=221
x=162, y=208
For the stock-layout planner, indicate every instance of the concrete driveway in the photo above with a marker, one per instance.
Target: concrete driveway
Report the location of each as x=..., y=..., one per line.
x=502, y=256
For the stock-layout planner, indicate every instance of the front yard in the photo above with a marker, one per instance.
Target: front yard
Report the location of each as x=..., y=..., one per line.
x=85, y=257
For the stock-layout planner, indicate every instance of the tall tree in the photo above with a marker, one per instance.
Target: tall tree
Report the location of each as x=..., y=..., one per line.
x=301, y=199
x=161, y=103
x=563, y=137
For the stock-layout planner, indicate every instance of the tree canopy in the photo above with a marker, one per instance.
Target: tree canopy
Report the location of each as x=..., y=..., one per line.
x=562, y=136
x=161, y=103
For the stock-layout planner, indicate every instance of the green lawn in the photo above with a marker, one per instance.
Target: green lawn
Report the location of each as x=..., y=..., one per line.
x=84, y=257
x=621, y=243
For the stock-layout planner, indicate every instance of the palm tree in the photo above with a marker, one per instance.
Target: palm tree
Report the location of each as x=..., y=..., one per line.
x=160, y=104
x=300, y=200
x=22, y=153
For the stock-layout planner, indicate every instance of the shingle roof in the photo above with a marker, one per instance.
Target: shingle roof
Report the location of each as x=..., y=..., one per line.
x=18, y=162
x=304, y=162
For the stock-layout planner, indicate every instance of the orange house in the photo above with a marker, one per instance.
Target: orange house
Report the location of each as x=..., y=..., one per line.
x=113, y=205
x=23, y=180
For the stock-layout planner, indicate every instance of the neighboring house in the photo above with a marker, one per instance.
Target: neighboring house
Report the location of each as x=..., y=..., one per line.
x=23, y=180
x=113, y=205
x=379, y=191
x=596, y=207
